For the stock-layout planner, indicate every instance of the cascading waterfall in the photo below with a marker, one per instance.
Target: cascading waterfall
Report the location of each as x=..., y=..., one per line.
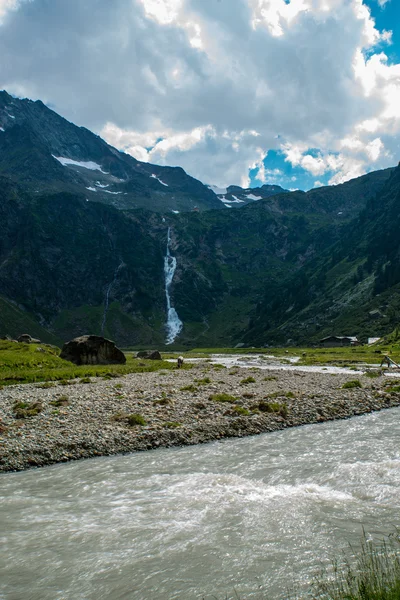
x=174, y=324
x=107, y=296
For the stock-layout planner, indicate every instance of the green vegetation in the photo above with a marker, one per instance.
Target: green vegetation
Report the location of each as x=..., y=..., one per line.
x=241, y=411
x=135, y=419
x=60, y=401
x=272, y=407
x=281, y=394
x=349, y=385
x=22, y=363
x=23, y=410
x=189, y=388
x=394, y=389
x=85, y=380
x=247, y=381
x=172, y=424
x=373, y=374
x=372, y=574
x=222, y=397
x=203, y=381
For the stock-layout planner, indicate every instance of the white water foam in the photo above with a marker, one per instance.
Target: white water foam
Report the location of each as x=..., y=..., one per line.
x=174, y=324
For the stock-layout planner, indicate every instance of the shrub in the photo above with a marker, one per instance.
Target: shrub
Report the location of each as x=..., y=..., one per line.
x=247, y=380
x=222, y=397
x=349, y=385
x=45, y=386
x=372, y=374
x=23, y=410
x=395, y=389
x=189, y=388
x=136, y=419
x=241, y=411
x=273, y=407
x=270, y=378
x=85, y=380
x=204, y=381
x=162, y=401
x=172, y=424
x=60, y=401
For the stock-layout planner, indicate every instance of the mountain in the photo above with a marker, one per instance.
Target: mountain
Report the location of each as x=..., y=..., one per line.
x=45, y=153
x=352, y=286
x=289, y=265
x=235, y=196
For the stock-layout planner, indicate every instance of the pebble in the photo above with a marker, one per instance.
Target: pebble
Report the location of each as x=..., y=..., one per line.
x=87, y=426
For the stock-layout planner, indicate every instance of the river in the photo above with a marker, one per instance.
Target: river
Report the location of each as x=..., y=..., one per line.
x=253, y=515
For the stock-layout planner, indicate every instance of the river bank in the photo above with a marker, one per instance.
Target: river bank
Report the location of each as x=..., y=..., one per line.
x=141, y=411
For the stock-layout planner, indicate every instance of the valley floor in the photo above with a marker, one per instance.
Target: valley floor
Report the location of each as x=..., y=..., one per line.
x=142, y=411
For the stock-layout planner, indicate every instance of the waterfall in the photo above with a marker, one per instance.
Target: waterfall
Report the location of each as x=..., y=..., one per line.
x=174, y=324
x=107, y=297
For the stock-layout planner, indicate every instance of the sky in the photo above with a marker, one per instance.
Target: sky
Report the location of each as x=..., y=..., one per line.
x=299, y=93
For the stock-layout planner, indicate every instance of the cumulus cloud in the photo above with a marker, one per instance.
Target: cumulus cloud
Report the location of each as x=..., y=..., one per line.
x=213, y=85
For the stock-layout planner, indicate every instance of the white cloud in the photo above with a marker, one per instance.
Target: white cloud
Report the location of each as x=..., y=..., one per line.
x=213, y=85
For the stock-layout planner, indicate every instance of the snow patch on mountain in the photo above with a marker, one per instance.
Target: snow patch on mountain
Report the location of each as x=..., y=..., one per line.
x=253, y=197
x=92, y=166
x=91, y=189
x=159, y=180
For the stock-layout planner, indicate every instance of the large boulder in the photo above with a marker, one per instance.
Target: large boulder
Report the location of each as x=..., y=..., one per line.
x=25, y=338
x=92, y=350
x=149, y=354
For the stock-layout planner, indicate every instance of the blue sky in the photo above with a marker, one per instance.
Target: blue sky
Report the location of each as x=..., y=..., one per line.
x=299, y=93
x=386, y=17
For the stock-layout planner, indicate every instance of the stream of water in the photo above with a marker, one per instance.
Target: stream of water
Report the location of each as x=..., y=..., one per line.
x=174, y=324
x=251, y=515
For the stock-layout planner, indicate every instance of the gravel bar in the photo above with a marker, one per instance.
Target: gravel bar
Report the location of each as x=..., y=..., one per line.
x=82, y=420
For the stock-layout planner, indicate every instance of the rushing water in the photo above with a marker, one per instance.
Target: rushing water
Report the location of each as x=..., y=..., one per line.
x=199, y=522
x=174, y=324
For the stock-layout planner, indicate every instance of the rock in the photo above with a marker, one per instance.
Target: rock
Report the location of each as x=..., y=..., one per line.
x=149, y=354
x=6, y=337
x=92, y=350
x=25, y=338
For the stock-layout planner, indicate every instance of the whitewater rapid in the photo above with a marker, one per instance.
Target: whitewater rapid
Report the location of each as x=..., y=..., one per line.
x=255, y=515
x=174, y=324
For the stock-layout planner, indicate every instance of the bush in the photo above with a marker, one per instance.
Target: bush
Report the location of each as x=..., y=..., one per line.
x=60, y=401
x=172, y=424
x=189, y=388
x=247, y=380
x=222, y=397
x=136, y=419
x=241, y=411
x=273, y=407
x=23, y=410
x=372, y=374
x=204, y=381
x=349, y=385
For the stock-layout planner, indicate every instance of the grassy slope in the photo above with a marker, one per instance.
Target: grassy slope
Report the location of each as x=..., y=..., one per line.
x=24, y=363
x=14, y=321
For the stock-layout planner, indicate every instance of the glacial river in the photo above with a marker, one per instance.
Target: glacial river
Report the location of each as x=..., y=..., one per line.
x=253, y=515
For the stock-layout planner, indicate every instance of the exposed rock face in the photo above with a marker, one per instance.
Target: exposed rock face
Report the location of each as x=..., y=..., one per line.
x=27, y=339
x=149, y=354
x=92, y=350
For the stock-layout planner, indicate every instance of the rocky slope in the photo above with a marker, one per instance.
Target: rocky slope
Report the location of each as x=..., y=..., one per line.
x=43, y=152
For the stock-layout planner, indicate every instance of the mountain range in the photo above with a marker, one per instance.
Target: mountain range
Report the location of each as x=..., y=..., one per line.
x=84, y=235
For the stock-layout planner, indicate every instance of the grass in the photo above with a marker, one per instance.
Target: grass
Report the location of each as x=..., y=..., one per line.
x=247, y=381
x=189, y=388
x=222, y=397
x=239, y=410
x=23, y=410
x=21, y=363
x=273, y=407
x=172, y=424
x=393, y=390
x=373, y=573
x=203, y=381
x=349, y=385
x=132, y=420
